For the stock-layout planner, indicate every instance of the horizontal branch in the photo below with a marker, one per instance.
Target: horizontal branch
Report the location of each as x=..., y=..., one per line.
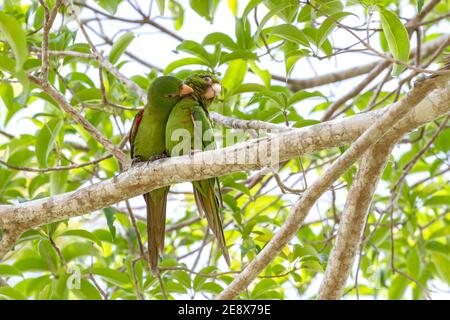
x=251, y=155
x=143, y=178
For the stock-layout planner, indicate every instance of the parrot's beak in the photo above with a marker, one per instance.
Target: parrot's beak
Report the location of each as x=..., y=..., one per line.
x=213, y=91
x=185, y=90
x=217, y=88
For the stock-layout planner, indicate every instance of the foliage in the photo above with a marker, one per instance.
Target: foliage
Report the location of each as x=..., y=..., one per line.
x=103, y=248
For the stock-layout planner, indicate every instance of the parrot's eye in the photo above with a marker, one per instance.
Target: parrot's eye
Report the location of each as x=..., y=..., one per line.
x=208, y=79
x=170, y=95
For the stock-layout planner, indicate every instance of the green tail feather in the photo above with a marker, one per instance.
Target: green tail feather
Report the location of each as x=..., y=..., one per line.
x=209, y=205
x=156, y=223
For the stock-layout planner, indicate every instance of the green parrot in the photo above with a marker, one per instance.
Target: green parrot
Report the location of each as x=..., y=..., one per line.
x=190, y=116
x=147, y=140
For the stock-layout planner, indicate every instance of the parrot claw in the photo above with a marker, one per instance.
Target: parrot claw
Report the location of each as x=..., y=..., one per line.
x=136, y=160
x=157, y=157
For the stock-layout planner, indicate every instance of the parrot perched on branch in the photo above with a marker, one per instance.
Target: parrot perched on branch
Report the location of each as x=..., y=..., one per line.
x=189, y=119
x=147, y=140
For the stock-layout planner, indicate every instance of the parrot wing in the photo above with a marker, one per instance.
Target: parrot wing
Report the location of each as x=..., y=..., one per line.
x=133, y=132
x=207, y=192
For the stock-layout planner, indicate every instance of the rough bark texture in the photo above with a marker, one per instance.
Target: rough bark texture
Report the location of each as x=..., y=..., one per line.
x=353, y=220
x=15, y=219
x=429, y=106
x=356, y=209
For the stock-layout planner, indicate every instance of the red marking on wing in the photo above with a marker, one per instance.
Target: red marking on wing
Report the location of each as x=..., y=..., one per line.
x=134, y=128
x=139, y=118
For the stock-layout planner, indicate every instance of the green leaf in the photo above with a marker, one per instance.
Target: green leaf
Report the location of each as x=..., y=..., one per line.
x=328, y=25
x=109, y=5
x=291, y=33
x=112, y=276
x=58, y=181
x=263, y=74
x=440, y=233
x=329, y=7
x=437, y=201
x=414, y=263
x=238, y=54
x=183, y=278
x=32, y=264
x=11, y=30
x=110, y=218
x=7, y=64
x=220, y=37
x=288, y=14
x=248, y=87
x=212, y=287
x=119, y=46
x=11, y=294
x=397, y=38
x=263, y=286
x=87, y=291
x=305, y=14
x=302, y=95
x=204, y=8
x=420, y=5
x=175, y=287
x=437, y=247
x=235, y=74
x=45, y=140
x=177, y=14
x=79, y=249
x=79, y=77
x=239, y=186
x=8, y=270
x=312, y=265
x=183, y=62
x=442, y=264
x=397, y=287
x=250, y=6
x=269, y=16
x=87, y=95
x=195, y=49
x=200, y=280
x=243, y=34
x=82, y=234
x=291, y=58
x=161, y=6
x=7, y=95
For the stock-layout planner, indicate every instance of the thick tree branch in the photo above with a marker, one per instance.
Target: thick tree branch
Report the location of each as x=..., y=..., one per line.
x=435, y=103
x=247, y=124
x=353, y=220
x=242, y=156
x=139, y=180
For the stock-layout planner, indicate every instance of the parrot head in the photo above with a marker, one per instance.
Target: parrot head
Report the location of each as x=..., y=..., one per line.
x=166, y=91
x=206, y=86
